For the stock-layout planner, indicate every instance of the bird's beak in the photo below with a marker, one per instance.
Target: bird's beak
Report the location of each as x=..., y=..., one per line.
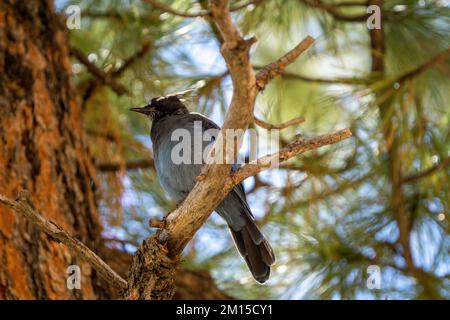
x=148, y=109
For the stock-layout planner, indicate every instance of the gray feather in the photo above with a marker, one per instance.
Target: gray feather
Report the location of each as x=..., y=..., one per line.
x=179, y=179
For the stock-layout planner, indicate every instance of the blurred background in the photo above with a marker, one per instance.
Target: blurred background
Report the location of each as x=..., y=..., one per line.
x=379, y=199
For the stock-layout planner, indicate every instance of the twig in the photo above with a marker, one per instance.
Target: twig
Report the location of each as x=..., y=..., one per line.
x=202, y=13
x=119, y=71
x=295, y=76
x=351, y=4
x=414, y=178
x=276, y=68
x=110, y=14
x=166, y=8
x=146, y=46
x=424, y=66
x=24, y=206
x=245, y=5
x=101, y=75
x=280, y=126
x=333, y=10
x=298, y=146
x=130, y=165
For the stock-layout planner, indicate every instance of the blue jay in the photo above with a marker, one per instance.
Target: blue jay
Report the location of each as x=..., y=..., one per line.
x=167, y=114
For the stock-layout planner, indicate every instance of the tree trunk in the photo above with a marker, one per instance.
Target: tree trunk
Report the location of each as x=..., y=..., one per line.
x=42, y=149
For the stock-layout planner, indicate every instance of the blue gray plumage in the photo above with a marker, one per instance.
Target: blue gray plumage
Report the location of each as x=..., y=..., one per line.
x=168, y=114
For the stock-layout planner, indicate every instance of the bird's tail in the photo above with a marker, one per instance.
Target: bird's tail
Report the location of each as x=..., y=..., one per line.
x=255, y=249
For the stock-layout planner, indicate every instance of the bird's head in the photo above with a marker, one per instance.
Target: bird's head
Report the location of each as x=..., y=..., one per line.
x=163, y=106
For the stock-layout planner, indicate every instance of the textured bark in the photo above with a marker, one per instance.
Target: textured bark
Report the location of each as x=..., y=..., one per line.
x=152, y=273
x=188, y=285
x=42, y=150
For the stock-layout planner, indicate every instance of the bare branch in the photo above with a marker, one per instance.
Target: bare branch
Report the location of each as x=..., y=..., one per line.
x=101, y=75
x=296, y=147
x=276, y=68
x=24, y=206
x=280, y=126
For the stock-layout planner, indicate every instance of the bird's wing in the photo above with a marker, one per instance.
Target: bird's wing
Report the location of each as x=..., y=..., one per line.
x=207, y=122
x=239, y=188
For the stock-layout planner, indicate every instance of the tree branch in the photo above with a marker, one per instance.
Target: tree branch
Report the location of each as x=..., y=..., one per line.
x=334, y=11
x=280, y=126
x=424, y=66
x=24, y=206
x=130, y=165
x=394, y=158
x=245, y=5
x=295, y=76
x=276, y=68
x=119, y=71
x=203, y=13
x=296, y=147
x=101, y=75
x=166, y=8
x=418, y=176
x=351, y=4
x=146, y=47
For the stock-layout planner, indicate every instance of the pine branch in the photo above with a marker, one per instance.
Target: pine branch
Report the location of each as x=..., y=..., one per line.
x=334, y=11
x=280, y=126
x=404, y=224
x=277, y=68
x=351, y=4
x=166, y=8
x=202, y=13
x=99, y=73
x=146, y=47
x=424, y=66
x=24, y=206
x=294, y=76
x=129, y=165
x=419, y=176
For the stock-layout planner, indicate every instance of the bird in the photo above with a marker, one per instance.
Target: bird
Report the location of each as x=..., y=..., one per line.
x=167, y=114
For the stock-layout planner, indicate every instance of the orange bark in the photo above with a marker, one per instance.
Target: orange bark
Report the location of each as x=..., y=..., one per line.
x=42, y=149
